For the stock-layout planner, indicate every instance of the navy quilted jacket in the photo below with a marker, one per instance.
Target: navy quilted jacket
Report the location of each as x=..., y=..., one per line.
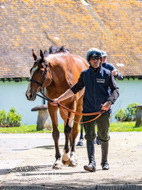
x=97, y=85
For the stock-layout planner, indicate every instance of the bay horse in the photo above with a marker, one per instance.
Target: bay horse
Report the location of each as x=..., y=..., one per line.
x=57, y=70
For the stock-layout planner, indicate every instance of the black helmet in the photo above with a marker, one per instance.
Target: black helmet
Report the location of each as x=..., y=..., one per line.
x=93, y=52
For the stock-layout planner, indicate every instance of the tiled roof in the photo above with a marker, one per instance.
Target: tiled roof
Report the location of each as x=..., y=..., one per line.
x=114, y=26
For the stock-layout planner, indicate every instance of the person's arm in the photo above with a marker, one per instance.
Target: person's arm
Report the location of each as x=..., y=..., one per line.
x=114, y=93
x=70, y=92
x=64, y=96
x=114, y=89
x=117, y=74
x=114, y=71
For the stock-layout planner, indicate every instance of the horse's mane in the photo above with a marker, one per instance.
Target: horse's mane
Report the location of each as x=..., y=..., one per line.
x=53, y=50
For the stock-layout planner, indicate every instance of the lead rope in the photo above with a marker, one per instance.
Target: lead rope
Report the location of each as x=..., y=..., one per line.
x=71, y=111
x=83, y=121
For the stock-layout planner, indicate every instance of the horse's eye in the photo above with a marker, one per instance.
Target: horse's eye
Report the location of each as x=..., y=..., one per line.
x=41, y=72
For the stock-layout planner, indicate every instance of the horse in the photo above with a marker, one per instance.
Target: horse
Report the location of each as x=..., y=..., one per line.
x=57, y=70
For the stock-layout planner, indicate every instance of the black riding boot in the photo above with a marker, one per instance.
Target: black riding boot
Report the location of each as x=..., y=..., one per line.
x=91, y=167
x=104, y=163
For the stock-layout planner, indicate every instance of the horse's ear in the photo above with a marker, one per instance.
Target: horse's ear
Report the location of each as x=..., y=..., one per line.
x=34, y=55
x=41, y=55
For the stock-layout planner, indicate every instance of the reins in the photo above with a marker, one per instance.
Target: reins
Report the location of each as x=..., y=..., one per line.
x=71, y=111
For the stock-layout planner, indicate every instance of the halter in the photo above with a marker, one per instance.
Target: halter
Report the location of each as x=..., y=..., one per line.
x=45, y=72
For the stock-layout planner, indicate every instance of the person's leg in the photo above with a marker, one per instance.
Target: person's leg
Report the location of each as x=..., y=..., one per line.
x=97, y=140
x=90, y=136
x=104, y=162
x=103, y=132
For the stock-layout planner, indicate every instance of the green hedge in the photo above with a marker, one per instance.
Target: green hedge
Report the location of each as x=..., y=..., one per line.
x=127, y=114
x=10, y=119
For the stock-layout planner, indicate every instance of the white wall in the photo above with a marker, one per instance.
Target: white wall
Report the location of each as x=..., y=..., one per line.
x=130, y=92
x=12, y=94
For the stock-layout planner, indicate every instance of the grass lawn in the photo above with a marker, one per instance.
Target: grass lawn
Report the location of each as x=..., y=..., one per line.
x=114, y=127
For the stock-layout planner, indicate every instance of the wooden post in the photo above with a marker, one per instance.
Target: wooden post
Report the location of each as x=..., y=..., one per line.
x=43, y=120
x=138, y=115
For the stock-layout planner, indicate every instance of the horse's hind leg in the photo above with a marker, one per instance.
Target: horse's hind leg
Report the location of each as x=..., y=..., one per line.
x=80, y=142
x=55, y=135
x=67, y=131
x=74, y=133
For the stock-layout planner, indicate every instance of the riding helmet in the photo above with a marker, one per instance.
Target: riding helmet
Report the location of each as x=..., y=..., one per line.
x=93, y=52
x=104, y=54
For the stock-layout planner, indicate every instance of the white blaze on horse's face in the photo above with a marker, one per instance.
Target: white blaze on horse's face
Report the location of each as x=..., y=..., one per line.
x=32, y=73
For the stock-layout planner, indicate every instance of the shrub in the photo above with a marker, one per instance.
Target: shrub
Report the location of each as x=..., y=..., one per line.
x=3, y=117
x=127, y=114
x=121, y=115
x=11, y=119
x=131, y=112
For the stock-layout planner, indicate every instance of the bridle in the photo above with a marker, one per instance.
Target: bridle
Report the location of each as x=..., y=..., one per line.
x=44, y=76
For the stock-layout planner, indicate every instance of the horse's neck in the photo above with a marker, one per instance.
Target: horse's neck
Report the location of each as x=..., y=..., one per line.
x=59, y=84
x=61, y=71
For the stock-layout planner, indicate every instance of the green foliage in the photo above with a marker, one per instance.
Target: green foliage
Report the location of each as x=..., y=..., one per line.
x=114, y=127
x=127, y=114
x=121, y=115
x=131, y=112
x=11, y=119
x=3, y=117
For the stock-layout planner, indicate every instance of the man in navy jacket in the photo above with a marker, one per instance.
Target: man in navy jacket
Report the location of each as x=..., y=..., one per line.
x=110, y=67
x=117, y=75
x=97, y=82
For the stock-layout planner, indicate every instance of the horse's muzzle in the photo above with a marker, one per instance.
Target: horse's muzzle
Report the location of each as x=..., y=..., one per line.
x=31, y=96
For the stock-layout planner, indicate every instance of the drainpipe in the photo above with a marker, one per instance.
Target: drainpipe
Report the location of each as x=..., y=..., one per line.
x=44, y=99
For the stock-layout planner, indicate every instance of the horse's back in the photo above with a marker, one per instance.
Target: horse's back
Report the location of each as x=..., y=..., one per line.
x=81, y=62
x=71, y=65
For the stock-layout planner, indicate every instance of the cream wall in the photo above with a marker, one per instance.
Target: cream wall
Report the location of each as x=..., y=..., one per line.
x=130, y=92
x=12, y=94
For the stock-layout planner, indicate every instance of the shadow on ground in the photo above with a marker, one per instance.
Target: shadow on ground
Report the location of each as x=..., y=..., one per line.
x=69, y=187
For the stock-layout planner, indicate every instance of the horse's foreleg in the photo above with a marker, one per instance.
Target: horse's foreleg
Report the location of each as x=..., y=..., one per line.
x=55, y=135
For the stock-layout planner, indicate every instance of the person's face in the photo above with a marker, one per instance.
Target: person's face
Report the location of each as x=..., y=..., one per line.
x=95, y=62
x=104, y=59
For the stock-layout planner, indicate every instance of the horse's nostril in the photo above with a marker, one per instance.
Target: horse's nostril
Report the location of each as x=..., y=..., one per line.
x=30, y=96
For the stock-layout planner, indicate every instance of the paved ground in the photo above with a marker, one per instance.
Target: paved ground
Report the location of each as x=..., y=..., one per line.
x=28, y=159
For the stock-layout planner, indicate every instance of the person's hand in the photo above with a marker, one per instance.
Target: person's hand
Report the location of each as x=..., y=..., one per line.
x=55, y=102
x=114, y=72
x=106, y=106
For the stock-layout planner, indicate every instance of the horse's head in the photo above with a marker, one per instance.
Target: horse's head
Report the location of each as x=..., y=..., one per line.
x=40, y=76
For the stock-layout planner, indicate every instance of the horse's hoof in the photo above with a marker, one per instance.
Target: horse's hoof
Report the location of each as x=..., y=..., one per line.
x=66, y=158
x=56, y=166
x=72, y=163
x=73, y=160
x=66, y=162
x=80, y=143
